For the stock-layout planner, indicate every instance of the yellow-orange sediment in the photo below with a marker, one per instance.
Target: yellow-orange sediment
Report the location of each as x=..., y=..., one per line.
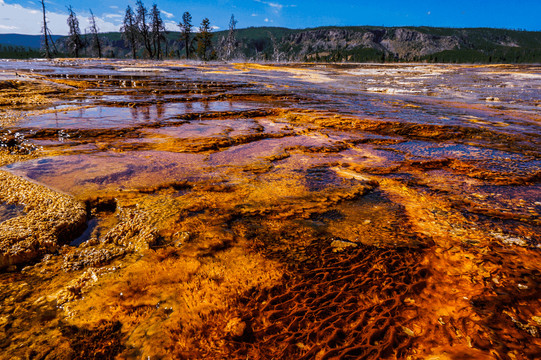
x=295, y=226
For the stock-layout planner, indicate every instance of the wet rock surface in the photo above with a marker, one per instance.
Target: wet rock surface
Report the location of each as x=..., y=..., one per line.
x=50, y=219
x=169, y=210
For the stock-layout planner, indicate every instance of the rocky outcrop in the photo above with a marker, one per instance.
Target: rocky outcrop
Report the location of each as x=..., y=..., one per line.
x=402, y=43
x=407, y=44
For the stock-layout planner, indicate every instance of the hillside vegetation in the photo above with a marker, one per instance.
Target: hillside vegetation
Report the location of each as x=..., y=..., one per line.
x=353, y=44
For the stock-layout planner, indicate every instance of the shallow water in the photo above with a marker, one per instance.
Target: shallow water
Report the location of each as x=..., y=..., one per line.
x=116, y=117
x=84, y=174
x=276, y=211
x=8, y=211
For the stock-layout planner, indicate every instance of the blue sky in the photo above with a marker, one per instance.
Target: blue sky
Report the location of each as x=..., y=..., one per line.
x=22, y=16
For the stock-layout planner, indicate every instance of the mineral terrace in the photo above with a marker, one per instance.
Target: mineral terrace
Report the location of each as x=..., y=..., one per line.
x=166, y=210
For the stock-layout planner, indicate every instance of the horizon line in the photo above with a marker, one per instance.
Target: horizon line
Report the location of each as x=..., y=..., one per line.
x=328, y=26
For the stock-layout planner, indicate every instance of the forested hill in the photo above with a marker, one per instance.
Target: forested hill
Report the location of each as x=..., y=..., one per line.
x=359, y=44
x=19, y=46
x=354, y=44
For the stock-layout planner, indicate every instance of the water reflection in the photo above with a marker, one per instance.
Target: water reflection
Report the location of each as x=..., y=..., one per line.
x=112, y=117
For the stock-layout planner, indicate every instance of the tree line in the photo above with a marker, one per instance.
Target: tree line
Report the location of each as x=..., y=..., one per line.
x=17, y=52
x=143, y=32
x=144, y=35
x=146, y=30
x=75, y=41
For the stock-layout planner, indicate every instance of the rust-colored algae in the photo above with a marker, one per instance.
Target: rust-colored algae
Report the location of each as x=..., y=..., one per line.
x=25, y=92
x=164, y=211
x=50, y=218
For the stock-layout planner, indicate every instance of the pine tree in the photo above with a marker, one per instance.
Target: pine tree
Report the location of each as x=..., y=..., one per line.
x=129, y=31
x=143, y=27
x=186, y=31
x=74, y=42
x=157, y=30
x=204, y=40
x=96, y=42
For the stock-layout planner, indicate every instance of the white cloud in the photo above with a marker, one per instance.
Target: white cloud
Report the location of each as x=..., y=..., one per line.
x=255, y=14
x=167, y=14
x=428, y=13
x=6, y=27
x=24, y=20
x=267, y=20
x=113, y=7
x=171, y=25
x=113, y=16
x=276, y=6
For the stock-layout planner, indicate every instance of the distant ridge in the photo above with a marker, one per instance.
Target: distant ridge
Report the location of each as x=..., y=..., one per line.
x=349, y=44
x=28, y=41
